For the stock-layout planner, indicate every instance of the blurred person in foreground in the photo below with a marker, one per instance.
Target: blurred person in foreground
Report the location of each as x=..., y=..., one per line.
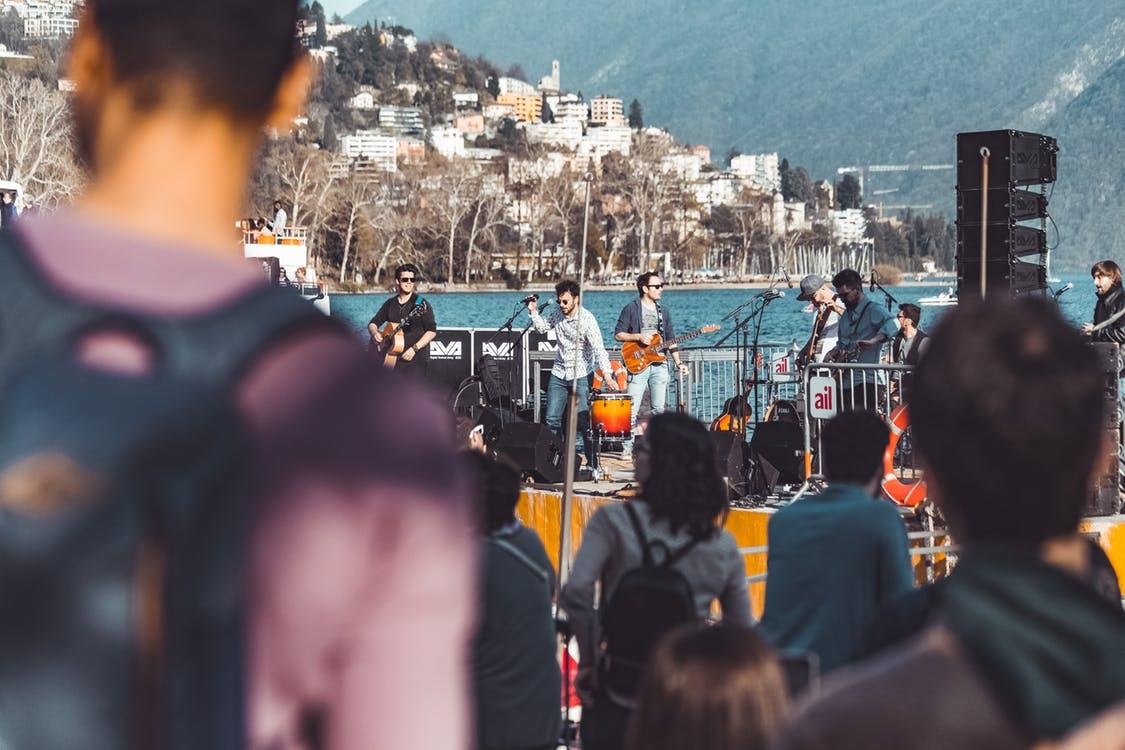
x=515, y=672
x=1008, y=417
x=678, y=519
x=360, y=561
x=835, y=558
x=710, y=688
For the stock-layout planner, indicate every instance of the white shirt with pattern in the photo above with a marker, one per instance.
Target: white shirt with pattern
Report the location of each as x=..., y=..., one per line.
x=581, y=348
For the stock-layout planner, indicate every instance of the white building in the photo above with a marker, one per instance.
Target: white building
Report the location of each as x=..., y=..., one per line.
x=466, y=99
x=550, y=84
x=46, y=19
x=333, y=30
x=406, y=120
x=607, y=110
x=498, y=111
x=685, y=165
x=569, y=107
x=371, y=146
x=759, y=170
x=362, y=100
x=515, y=86
x=607, y=139
x=448, y=141
x=563, y=134
x=848, y=226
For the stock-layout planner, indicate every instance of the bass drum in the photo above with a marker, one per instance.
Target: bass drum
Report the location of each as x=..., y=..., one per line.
x=611, y=414
x=785, y=410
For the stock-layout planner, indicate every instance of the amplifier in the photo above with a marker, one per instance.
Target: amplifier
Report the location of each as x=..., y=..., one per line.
x=1005, y=206
x=1009, y=277
x=1004, y=240
x=1016, y=158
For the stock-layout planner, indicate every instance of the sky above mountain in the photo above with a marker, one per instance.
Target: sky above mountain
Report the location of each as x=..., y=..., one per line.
x=826, y=84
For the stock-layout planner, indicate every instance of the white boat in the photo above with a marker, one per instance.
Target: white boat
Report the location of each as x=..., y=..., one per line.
x=289, y=246
x=945, y=299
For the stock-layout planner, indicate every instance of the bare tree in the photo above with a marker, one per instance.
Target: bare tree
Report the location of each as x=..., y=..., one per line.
x=488, y=214
x=356, y=194
x=36, y=145
x=452, y=202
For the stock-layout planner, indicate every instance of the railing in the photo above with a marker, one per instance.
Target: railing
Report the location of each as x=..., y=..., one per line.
x=712, y=379
x=833, y=387
x=286, y=236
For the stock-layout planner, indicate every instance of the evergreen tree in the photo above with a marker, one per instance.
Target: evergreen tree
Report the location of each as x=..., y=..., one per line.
x=731, y=154
x=328, y=140
x=545, y=114
x=636, y=115
x=321, y=25
x=493, y=86
x=783, y=172
x=847, y=193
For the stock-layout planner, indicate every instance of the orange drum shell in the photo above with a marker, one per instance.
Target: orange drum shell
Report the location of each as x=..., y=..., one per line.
x=612, y=415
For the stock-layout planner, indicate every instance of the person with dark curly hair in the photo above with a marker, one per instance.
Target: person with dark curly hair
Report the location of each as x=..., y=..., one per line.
x=682, y=502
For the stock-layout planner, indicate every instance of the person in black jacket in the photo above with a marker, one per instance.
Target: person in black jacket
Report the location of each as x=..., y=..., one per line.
x=1111, y=300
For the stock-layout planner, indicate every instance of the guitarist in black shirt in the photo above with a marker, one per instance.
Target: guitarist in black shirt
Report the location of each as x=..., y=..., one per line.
x=417, y=326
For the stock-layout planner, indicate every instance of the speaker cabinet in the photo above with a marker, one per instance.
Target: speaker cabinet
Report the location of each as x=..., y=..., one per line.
x=537, y=451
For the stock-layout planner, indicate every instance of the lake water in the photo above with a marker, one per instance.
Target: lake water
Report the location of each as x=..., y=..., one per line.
x=785, y=319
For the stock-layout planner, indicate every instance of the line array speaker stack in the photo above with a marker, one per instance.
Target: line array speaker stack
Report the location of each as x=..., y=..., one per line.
x=1015, y=254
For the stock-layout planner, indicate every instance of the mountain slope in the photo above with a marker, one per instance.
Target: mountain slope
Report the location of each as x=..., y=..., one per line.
x=825, y=83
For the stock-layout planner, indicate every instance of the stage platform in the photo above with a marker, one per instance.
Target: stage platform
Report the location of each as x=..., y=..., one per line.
x=540, y=508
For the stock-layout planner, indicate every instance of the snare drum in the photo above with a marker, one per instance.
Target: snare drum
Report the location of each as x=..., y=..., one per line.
x=611, y=414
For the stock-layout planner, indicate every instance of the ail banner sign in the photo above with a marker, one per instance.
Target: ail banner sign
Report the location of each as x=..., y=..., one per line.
x=823, y=401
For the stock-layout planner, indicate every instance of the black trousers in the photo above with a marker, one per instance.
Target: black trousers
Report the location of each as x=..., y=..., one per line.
x=604, y=725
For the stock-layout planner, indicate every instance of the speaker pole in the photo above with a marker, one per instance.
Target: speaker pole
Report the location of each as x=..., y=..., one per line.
x=567, y=510
x=984, y=154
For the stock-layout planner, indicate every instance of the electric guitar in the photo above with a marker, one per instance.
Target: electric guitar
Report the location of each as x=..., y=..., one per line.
x=394, y=339
x=637, y=356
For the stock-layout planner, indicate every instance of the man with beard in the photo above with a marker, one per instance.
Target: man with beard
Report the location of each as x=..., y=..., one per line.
x=358, y=558
x=864, y=328
x=1111, y=301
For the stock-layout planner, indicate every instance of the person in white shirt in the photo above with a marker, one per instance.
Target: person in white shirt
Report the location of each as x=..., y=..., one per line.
x=817, y=290
x=581, y=351
x=279, y=217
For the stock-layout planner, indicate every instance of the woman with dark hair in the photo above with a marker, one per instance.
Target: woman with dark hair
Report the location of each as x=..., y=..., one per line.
x=680, y=511
x=710, y=688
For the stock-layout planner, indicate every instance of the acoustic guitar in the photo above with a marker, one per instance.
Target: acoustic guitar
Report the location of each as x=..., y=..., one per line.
x=637, y=356
x=394, y=338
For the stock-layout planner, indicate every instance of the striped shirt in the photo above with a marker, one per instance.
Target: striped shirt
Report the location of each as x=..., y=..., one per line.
x=581, y=350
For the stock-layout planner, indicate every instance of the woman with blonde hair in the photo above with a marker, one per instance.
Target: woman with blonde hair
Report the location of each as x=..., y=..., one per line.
x=710, y=688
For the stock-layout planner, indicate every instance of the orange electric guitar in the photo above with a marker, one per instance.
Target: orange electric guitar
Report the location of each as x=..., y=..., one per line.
x=637, y=356
x=394, y=338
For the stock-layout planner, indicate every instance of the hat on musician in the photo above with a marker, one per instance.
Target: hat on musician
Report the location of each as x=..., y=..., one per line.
x=810, y=285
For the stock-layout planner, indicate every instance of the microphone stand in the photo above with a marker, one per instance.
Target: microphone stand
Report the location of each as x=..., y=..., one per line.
x=743, y=346
x=889, y=297
x=517, y=349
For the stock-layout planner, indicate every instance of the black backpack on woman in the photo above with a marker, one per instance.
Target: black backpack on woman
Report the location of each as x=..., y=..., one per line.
x=648, y=602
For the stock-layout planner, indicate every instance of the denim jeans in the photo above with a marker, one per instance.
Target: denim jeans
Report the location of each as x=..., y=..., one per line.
x=654, y=378
x=558, y=390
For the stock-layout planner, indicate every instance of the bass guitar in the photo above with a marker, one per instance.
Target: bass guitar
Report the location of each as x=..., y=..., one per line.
x=637, y=356
x=394, y=338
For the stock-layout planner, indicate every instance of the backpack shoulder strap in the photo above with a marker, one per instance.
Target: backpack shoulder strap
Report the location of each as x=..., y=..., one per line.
x=680, y=552
x=519, y=554
x=635, y=520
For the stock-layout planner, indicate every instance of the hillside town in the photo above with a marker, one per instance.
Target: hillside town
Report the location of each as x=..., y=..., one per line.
x=412, y=149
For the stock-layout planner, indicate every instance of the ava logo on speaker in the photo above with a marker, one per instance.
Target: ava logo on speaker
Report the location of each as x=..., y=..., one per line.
x=822, y=397
x=446, y=350
x=503, y=350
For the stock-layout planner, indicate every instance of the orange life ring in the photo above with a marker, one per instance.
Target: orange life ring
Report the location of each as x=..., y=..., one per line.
x=910, y=494
x=620, y=375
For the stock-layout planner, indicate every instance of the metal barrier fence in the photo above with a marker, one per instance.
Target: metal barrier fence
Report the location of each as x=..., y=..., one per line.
x=830, y=388
x=712, y=379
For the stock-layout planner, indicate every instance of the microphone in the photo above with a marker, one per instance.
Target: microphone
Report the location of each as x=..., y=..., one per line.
x=871, y=287
x=788, y=281
x=770, y=294
x=1060, y=292
x=530, y=298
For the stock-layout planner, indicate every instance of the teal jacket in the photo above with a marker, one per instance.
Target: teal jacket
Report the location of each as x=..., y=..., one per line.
x=834, y=560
